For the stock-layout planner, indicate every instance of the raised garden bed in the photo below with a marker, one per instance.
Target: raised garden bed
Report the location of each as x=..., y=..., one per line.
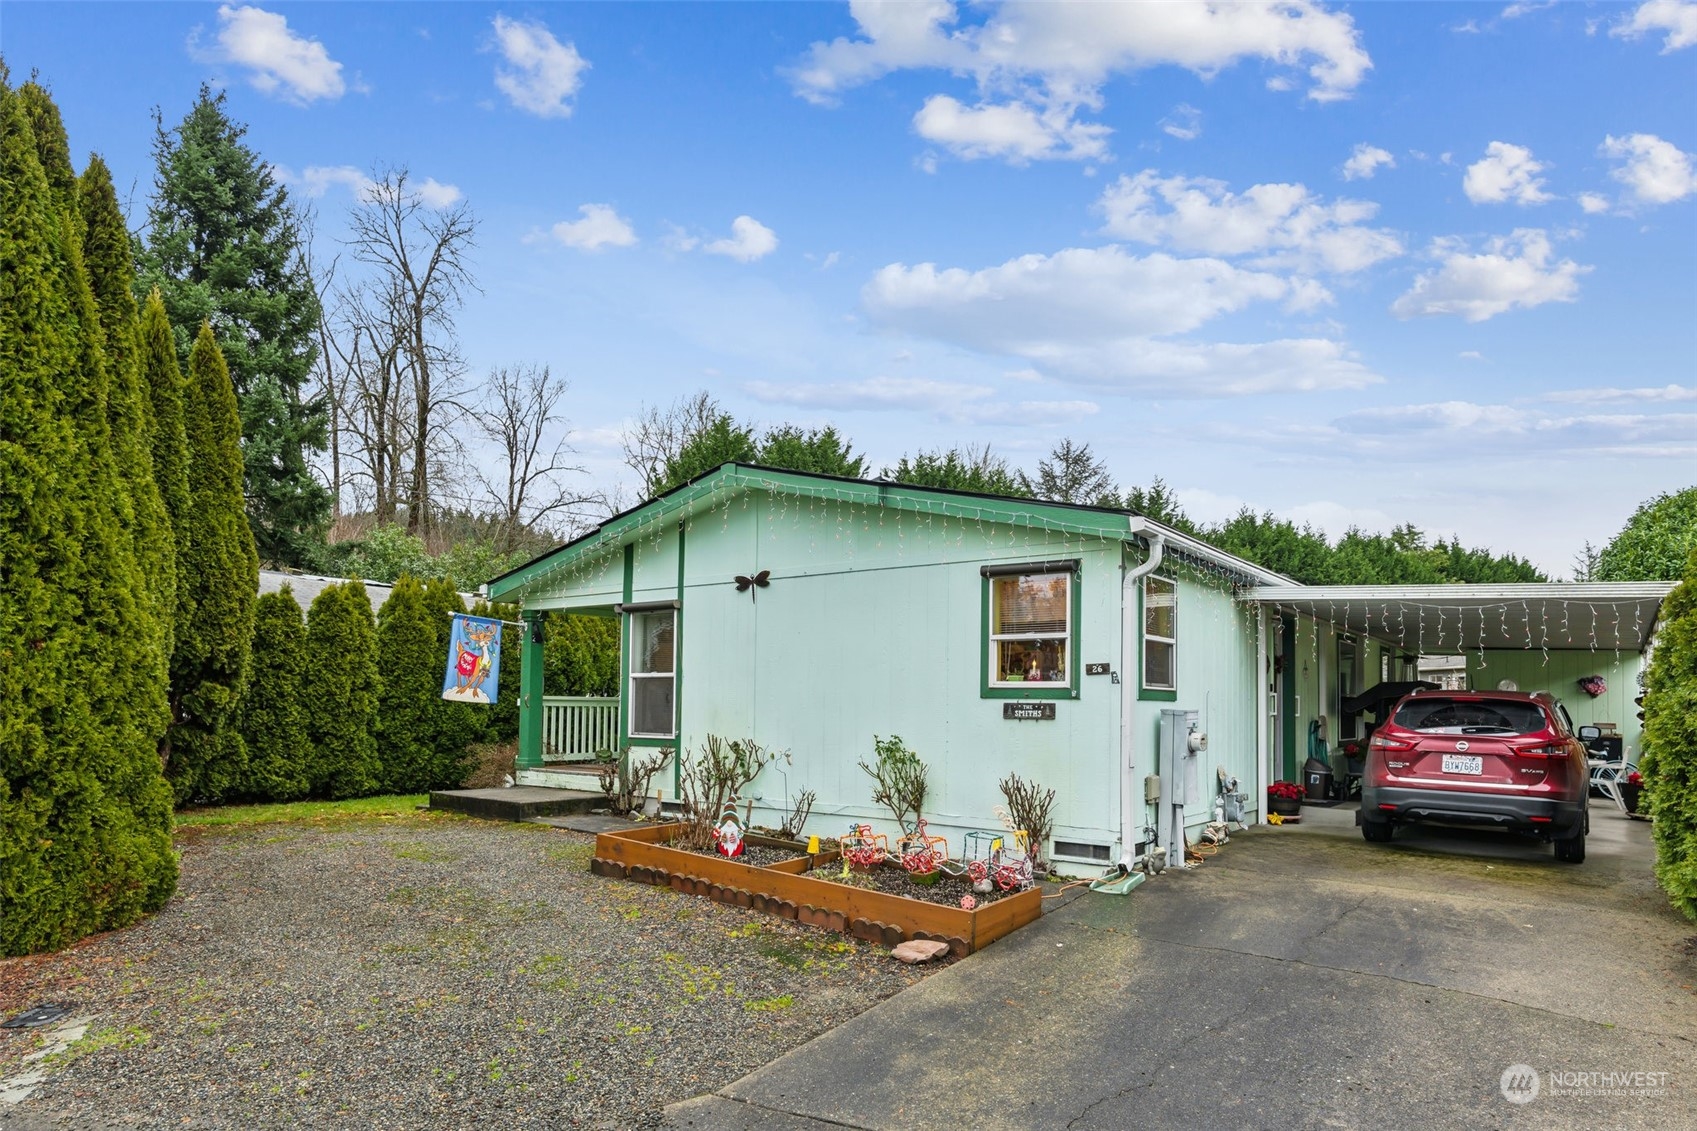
x=645, y=855
x=888, y=878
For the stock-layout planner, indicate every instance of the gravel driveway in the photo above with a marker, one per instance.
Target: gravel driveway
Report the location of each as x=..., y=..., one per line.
x=423, y=971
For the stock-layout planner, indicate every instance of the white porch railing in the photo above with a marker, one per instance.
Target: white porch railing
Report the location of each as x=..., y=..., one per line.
x=574, y=727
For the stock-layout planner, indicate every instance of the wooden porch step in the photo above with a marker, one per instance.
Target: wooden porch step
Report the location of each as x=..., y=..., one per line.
x=517, y=803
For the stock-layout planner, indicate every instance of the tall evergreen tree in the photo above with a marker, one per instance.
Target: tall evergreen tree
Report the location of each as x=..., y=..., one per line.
x=85, y=819
x=129, y=409
x=341, y=691
x=162, y=380
x=412, y=680
x=272, y=720
x=223, y=245
x=220, y=581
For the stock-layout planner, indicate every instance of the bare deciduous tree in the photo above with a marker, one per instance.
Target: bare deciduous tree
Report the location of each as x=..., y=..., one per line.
x=527, y=488
x=420, y=258
x=659, y=434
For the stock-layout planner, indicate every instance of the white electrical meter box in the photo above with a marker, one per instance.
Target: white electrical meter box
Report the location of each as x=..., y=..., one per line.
x=1182, y=743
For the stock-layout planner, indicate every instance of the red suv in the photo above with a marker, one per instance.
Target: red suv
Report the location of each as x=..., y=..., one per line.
x=1494, y=758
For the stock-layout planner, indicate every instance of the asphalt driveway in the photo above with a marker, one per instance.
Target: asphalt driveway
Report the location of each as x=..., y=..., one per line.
x=1300, y=978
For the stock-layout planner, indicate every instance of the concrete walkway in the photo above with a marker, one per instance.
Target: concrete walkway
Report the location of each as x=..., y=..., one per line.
x=1300, y=978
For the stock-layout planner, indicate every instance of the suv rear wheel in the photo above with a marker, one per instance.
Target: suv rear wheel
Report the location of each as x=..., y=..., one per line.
x=1571, y=850
x=1377, y=832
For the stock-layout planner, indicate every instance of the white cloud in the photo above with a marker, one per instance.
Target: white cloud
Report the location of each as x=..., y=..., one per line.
x=946, y=400
x=600, y=227
x=1052, y=60
x=1506, y=172
x=1515, y=430
x=1365, y=161
x=278, y=61
x=1011, y=130
x=1593, y=203
x=1666, y=393
x=1184, y=123
x=1285, y=224
x=1676, y=18
x=542, y=74
x=1656, y=171
x=435, y=194
x=316, y=180
x=1525, y=8
x=1513, y=272
x=1471, y=355
x=749, y=240
x=1098, y=316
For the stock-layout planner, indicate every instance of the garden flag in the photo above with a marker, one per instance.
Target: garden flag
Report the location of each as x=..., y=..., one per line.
x=474, y=660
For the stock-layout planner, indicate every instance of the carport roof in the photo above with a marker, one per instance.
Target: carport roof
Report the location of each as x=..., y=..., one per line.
x=1558, y=616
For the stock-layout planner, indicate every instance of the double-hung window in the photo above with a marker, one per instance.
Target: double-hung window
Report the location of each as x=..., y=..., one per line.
x=1160, y=634
x=1031, y=630
x=653, y=673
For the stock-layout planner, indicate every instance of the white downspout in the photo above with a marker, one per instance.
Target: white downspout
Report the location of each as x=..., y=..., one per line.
x=1131, y=668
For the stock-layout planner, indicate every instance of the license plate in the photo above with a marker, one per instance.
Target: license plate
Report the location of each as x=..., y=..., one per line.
x=1464, y=764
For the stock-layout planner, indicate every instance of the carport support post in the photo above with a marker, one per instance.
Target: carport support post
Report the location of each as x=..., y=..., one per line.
x=1263, y=699
x=530, y=693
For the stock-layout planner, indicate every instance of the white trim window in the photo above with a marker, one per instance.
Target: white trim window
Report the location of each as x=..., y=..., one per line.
x=653, y=673
x=1160, y=634
x=1030, y=630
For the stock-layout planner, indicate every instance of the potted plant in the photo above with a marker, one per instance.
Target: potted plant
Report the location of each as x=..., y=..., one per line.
x=1630, y=789
x=1284, y=798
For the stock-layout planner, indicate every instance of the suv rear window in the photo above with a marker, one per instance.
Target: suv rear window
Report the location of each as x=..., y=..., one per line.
x=1435, y=715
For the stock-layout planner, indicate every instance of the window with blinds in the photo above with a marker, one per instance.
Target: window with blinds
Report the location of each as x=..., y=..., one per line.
x=1030, y=629
x=1160, y=634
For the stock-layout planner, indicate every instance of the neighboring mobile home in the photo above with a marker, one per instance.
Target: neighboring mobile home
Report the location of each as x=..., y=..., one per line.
x=994, y=636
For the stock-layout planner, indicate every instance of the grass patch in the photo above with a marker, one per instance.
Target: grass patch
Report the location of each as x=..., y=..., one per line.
x=126, y=1038
x=301, y=811
x=769, y=1004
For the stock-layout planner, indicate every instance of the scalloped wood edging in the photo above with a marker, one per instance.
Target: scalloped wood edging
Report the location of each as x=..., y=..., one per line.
x=783, y=889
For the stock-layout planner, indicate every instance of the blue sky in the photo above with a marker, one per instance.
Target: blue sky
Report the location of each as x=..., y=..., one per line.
x=1365, y=263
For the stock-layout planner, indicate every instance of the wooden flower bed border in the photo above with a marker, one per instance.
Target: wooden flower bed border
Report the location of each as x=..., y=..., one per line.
x=783, y=889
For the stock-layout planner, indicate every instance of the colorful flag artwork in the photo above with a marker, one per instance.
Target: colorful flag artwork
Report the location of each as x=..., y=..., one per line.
x=474, y=660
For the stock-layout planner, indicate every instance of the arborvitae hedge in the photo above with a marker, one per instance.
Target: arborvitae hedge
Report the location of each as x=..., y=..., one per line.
x=85, y=819
x=342, y=687
x=412, y=680
x=129, y=410
x=219, y=572
x=1670, y=742
x=162, y=381
x=454, y=726
x=272, y=719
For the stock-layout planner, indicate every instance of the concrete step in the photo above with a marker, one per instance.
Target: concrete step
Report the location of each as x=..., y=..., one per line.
x=516, y=803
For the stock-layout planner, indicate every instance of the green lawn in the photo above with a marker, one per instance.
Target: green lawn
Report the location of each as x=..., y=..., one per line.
x=405, y=805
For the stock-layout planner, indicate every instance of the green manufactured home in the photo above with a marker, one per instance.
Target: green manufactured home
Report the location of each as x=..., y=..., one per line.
x=1001, y=636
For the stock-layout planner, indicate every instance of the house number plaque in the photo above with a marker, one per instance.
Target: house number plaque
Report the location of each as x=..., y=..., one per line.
x=1032, y=711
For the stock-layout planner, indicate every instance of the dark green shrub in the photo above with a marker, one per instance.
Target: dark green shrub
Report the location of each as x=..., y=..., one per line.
x=272, y=721
x=1669, y=763
x=580, y=655
x=342, y=689
x=219, y=583
x=412, y=681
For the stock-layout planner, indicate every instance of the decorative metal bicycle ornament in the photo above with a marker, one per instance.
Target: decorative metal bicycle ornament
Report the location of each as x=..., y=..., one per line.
x=864, y=848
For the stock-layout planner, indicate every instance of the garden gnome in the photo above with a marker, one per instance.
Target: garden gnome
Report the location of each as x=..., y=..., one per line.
x=728, y=836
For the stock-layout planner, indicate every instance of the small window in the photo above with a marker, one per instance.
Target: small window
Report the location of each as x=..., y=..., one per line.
x=1160, y=634
x=1030, y=630
x=653, y=671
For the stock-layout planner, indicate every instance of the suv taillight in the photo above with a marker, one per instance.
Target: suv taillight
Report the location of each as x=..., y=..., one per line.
x=1385, y=742
x=1548, y=750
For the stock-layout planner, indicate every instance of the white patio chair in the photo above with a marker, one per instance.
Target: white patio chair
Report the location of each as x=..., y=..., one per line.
x=1607, y=776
